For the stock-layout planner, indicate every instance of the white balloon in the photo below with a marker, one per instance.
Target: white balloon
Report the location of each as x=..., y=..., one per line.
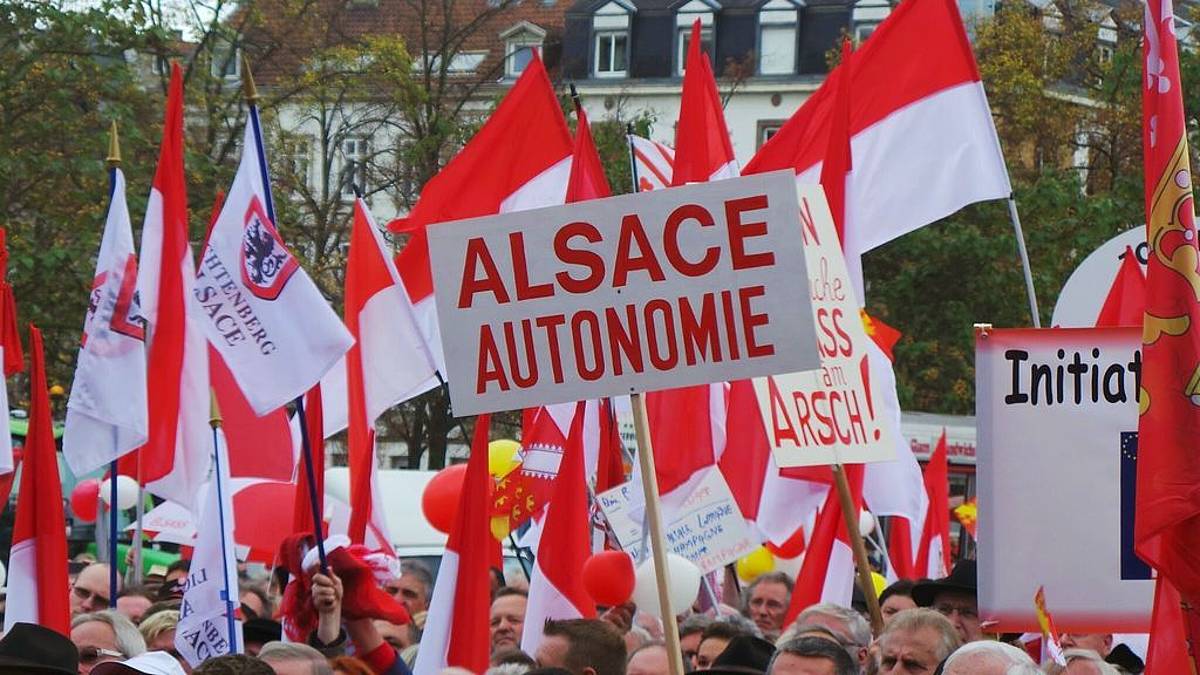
x=866, y=523
x=685, y=585
x=127, y=492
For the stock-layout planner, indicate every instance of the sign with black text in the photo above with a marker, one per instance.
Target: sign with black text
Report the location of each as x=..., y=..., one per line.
x=639, y=292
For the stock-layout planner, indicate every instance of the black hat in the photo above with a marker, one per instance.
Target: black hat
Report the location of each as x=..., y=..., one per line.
x=261, y=631
x=744, y=655
x=34, y=649
x=1123, y=656
x=963, y=579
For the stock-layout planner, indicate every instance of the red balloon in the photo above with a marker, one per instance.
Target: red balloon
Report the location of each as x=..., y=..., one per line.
x=85, y=499
x=440, y=500
x=608, y=578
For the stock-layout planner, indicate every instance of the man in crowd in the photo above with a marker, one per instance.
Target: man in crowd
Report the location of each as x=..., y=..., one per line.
x=691, y=630
x=984, y=657
x=851, y=629
x=955, y=597
x=292, y=658
x=582, y=646
x=1082, y=662
x=767, y=602
x=104, y=636
x=915, y=641
x=413, y=588
x=649, y=659
x=714, y=640
x=896, y=598
x=811, y=656
x=134, y=601
x=90, y=592
x=507, y=619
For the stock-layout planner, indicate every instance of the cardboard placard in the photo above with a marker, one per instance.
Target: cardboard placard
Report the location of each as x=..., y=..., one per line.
x=1057, y=417
x=676, y=287
x=826, y=416
x=706, y=528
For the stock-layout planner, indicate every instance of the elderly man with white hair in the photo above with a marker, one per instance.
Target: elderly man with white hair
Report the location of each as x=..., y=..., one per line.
x=104, y=636
x=850, y=628
x=1082, y=662
x=989, y=658
x=915, y=641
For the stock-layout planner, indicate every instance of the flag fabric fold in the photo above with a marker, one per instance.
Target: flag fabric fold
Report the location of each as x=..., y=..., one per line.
x=933, y=556
x=556, y=588
x=37, y=565
x=173, y=463
x=653, y=163
x=703, y=151
x=456, y=631
x=260, y=309
x=1167, y=507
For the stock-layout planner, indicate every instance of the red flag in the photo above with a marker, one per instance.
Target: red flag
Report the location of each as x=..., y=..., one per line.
x=1168, y=466
x=10, y=333
x=520, y=159
x=703, y=151
x=1125, y=303
x=556, y=588
x=610, y=469
x=933, y=558
x=587, y=179
x=827, y=574
x=302, y=511
x=456, y=631
x=37, y=567
x=838, y=162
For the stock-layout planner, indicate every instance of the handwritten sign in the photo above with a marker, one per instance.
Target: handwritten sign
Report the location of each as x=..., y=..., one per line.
x=826, y=415
x=706, y=528
x=676, y=287
x=1057, y=415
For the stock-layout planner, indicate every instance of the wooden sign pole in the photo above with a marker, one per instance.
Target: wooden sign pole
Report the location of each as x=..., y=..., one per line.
x=657, y=541
x=850, y=514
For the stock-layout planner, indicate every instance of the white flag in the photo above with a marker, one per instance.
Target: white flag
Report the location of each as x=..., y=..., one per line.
x=210, y=593
x=266, y=317
x=106, y=414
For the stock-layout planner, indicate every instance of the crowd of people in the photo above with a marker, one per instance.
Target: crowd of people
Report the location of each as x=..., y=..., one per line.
x=929, y=626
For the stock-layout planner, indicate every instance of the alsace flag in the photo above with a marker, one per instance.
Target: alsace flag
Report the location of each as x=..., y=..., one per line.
x=556, y=588
x=456, y=631
x=106, y=414
x=388, y=363
x=210, y=592
x=653, y=162
x=37, y=566
x=922, y=140
x=262, y=312
x=520, y=159
x=827, y=574
x=173, y=463
x=703, y=151
x=1167, y=520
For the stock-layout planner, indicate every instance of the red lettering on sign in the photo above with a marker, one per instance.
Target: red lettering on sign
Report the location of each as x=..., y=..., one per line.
x=751, y=321
x=671, y=241
x=667, y=337
x=735, y=351
x=514, y=363
x=781, y=424
x=479, y=255
x=739, y=232
x=489, y=369
x=581, y=257
x=631, y=232
x=624, y=339
x=700, y=333
x=525, y=291
x=597, y=370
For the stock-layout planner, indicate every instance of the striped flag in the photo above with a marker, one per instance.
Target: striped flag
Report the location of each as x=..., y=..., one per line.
x=653, y=162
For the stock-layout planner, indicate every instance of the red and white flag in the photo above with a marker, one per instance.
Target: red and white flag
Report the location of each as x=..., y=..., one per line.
x=556, y=588
x=37, y=565
x=653, y=162
x=173, y=463
x=388, y=363
x=933, y=557
x=106, y=414
x=456, y=631
x=12, y=358
x=703, y=151
x=827, y=574
x=520, y=159
x=922, y=140
x=262, y=312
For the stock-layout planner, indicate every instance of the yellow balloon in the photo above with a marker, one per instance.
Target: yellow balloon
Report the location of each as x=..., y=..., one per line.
x=879, y=581
x=755, y=564
x=502, y=457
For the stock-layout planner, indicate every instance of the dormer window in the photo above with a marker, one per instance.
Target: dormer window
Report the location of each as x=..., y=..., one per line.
x=685, y=16
x=778, y=22
x=867, y=16
x=520, y=43
x=610, y=39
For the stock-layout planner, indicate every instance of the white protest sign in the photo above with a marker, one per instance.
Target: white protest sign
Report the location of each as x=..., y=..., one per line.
x=827, y=415
x=1057, y=418
x=690, y=285
x=706, y=528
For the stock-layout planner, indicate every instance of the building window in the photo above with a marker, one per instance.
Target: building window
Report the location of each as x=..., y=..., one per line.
x=766, y=131
x=863, y=31
x=1104, y=54
x=612, y=53
x=519, y=53
x=685, y=41
x=777, y=49
x=226, y=62
x=160, y=65
x=355, y=153
x=297, y=157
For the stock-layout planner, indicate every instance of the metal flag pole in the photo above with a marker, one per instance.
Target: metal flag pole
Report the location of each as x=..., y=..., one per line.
x=138, y=534
x=633, y=172
x=113, y=161
x=230, y=586
x=1029, y=291
x=251, y=93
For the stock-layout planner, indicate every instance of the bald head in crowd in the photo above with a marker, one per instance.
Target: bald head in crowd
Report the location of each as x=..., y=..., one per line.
x=989, y=658
x=91, y=592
